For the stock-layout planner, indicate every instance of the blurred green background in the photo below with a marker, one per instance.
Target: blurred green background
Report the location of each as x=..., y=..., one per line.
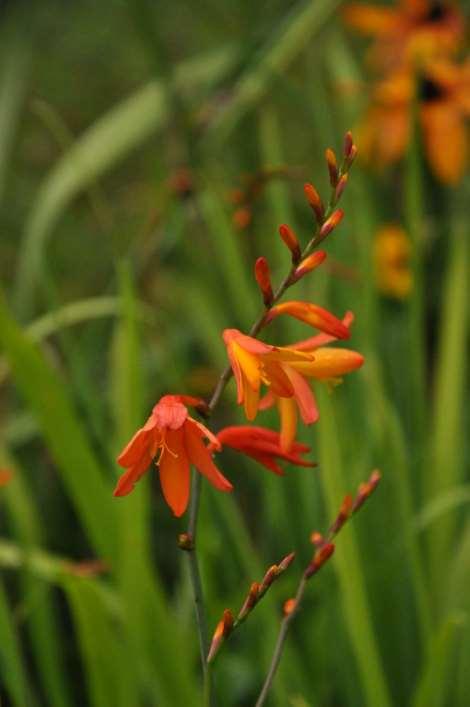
x=119, y=271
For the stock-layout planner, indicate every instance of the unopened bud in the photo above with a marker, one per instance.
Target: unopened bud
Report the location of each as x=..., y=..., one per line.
x=321, y=556
x=348, y=144
x=341, y=186
x=331, y=223
x=269, y=577
x=308, y=264
x=185, y=541
x=242, y=217
x=286, y=562
x=352, y=156
x=223, y=629
x=291, y=241
x=365, y=490
x=289, y=606
x=332, y=166
x=250, y=601
x=315, y=202
x=263, y=278
x=342, y=517
x=317, y=539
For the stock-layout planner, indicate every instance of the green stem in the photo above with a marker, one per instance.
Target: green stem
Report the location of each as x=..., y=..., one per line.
x=196, y=584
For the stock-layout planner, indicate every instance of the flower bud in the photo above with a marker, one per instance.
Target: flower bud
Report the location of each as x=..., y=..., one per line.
x=342, y=517
x=321, y=556
x=5, y=476
x=341, y=186
x=365, y=490
x=308, y=264
x=291, y=241
x=242, y=217
x=286, y=562
x=289, y=606
x=263, y=279
x=223, y=629
x=185, y=541
x=331, y=223
x=332, y=167
x=348, y=144
x=317, y=539
x=315, y=202
x=250, y=601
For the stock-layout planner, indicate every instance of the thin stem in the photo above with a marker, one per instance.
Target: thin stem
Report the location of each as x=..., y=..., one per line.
x=277, y=654
x=196, y=584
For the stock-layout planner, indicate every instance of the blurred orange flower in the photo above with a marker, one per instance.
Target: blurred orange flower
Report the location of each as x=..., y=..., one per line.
x=392, y=250
x=327, y=364
x=408, y=33
x=178, y=439
x=5, y=476
x=442, y=94
x=263, y=445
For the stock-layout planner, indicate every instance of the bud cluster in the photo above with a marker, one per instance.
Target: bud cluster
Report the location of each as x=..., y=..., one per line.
x=256, y=591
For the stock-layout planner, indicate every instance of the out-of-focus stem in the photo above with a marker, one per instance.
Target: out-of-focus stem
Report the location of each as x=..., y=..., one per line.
x=281, y=638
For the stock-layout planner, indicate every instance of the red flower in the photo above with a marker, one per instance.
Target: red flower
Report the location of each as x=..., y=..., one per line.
x=263, y=445
x=178, y=439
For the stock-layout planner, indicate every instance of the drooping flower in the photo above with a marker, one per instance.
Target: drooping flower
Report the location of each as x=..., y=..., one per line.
x=392, y=251
x=253, y=363
x=411, y=32
x=263, y=445
x=328, y=364
x=177, y=439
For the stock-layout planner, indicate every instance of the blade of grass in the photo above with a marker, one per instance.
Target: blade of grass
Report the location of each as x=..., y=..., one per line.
x=274, y=57
x=14, y=674
x=110, y=139
x=42, y=623
x=445, y=468
x=434, y=687
x=47, y=396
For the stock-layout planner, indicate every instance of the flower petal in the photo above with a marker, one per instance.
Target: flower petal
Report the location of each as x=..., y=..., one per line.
x=445, y=139
x=136, y=448
x=175, y=472
x=201, y=458
x=330, y=363
x=371, y=19
x=314, y=342
x=288, y=414
x=304, y=397
x=130, y=477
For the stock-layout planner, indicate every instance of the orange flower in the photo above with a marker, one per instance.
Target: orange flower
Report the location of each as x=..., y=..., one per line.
x=263, y=445
x=412, y=31
x=392, y=250
x=254, y=362
x=5, y=476
x=178, y=439
x=442, y=92
x=327, y=364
